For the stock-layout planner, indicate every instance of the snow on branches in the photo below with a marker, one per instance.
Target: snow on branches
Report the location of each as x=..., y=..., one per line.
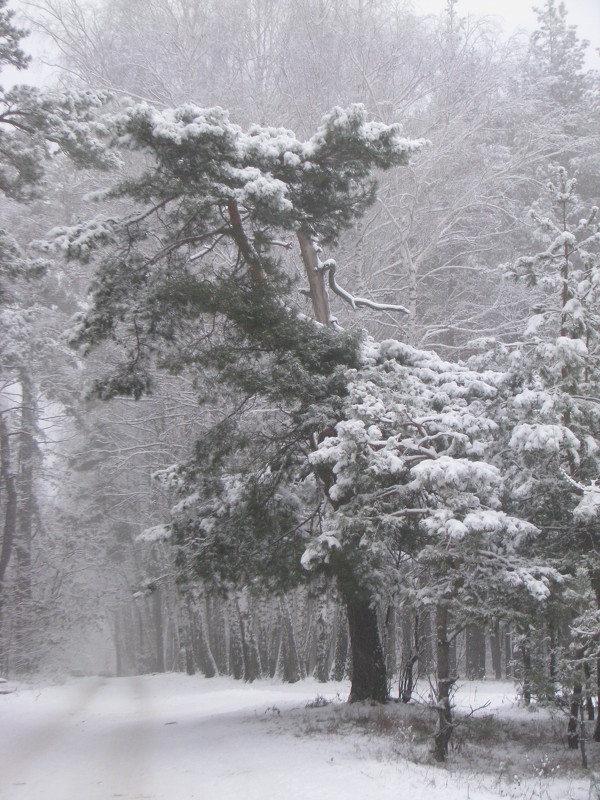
x=412, y=479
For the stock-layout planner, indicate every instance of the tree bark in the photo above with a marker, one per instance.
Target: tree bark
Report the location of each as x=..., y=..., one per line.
x=583, y=740
x=475, y=645
x=322, y=640
x=508, y=655
x=250, y=652
x=411, y=645
x=369, y=678
x=341, y=644
x=596, y=734
x=10, y=525
x=390, y=641
x=210, y=664
x=526, y=674
x=444, y=685
x=495, y=649
x=289, y=663
x=573, y=726
x=24, y=537
x=316, y=279
x=159, y=643
x=118, y=647
x=10, y=509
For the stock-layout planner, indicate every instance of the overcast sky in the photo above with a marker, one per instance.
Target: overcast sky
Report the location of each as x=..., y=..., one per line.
x=519, y=14
x=514, y=14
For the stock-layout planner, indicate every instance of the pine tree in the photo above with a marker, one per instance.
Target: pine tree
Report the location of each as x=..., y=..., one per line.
x=412, y=491
x=550, y=413
x=189, y=281
x=557, y=55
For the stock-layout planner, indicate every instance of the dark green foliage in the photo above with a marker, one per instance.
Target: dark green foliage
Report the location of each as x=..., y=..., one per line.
x=10, y=37
x=189, y=282
x=36, y=125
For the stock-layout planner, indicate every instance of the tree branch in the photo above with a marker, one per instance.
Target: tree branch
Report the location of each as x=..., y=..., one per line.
x=329, y=266
x=244, y=245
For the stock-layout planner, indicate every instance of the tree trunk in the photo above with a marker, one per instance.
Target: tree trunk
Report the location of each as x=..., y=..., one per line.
x=250, y=652
x=508, y=655
x=411, y=645
x=596, y=584
x=444, y=685
x=526, y=674
x=24, y=537
x=369, y=679
x=157, y=613
x=289, y=664
x=596, y=735
x=589, y=703
x=583, y=740
x=341, y=644
x=316, y=279
x=495, y=649
x=118, y=647
x=10, y=488
x=210, y=668
x=475, y=645
x=573, y=726
x=411, y=277
x=552, y=665
x=390, y=642
x=322, y=640
x=7, y=479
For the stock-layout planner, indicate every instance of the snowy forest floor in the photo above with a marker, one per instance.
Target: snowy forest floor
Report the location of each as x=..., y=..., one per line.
x=175, y=737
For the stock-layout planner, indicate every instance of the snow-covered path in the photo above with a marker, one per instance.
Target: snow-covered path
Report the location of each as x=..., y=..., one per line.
x=171, y=737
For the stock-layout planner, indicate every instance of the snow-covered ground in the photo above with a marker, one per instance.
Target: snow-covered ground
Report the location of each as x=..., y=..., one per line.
x=174, y=737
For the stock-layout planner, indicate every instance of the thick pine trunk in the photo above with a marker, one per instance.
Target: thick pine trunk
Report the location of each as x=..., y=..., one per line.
x=316, y=279
x=369, y=678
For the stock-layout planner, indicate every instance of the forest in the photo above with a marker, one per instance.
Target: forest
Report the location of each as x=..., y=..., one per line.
x=300, y=349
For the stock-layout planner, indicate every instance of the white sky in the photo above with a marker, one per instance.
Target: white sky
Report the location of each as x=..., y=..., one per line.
x=515, y=15
x=519, y=14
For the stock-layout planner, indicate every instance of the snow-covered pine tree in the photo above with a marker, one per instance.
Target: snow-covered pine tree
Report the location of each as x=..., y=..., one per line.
x=557, y=55
x=551, y=414
x=412, y=491
x=190, y=281
x=37, y=124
